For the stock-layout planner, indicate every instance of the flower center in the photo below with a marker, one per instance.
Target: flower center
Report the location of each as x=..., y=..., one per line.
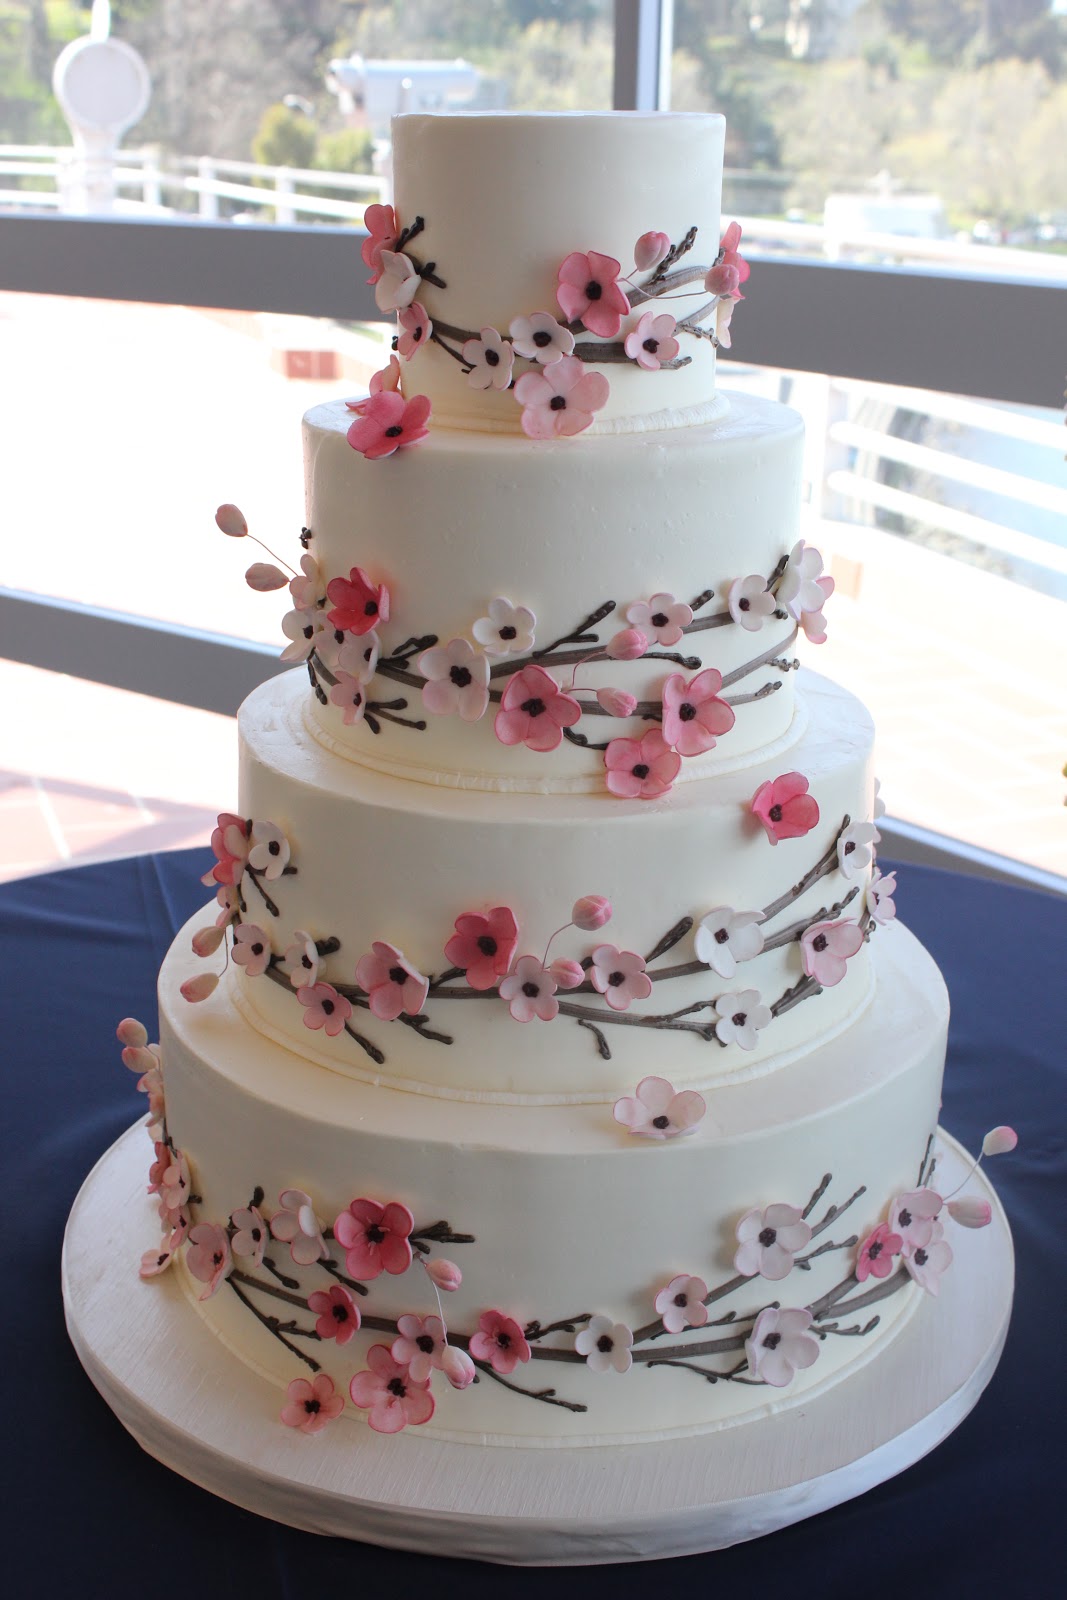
x=306, y=961
x=508, y=632
x=661, y=1121
x=651, y=345
x=339, y=1313
x=616, y=978
x=722, y=936
x=819, y=942
x=593, y=290
x=487, y=944
x=659, y=620
x=534, y=707
x=374, y=1234
x=460, y=676
x=850, y=846
x=875, y=1250
x=739, y=1019
x=775, y=813
x=772, y=1341
x=641, y=770
x=503, y=1340
x=921, y=1258
x=394, y=432
x=767, y=1236
x=744, y=605
x=605, y=1344
x=309, y=631
x=425, y=1344
x=370, y=609
x=397, y=975
x=492, y=358
x=416, y=333
x=558, y=402
x=531, y=990
x=681, y=1300
x=274, y=848
x=312, y=1407
x=542, y=339
x=397, y=1386
x=686, y=711
x=217, y=1258
x=327, y=1006
x=904, y=1218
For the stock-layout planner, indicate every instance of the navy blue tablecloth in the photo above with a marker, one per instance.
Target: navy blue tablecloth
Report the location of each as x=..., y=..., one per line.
x=86, y=1513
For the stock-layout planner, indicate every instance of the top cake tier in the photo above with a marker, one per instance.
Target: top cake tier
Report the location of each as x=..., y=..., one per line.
x=499, y=203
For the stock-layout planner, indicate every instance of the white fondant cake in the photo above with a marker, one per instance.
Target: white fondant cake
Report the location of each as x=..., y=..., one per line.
x=566, y=1081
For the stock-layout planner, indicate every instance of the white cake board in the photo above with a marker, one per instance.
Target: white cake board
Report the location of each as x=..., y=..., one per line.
x=190, y=1403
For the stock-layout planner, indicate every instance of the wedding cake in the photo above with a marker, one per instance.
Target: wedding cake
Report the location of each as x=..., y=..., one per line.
x=550, y=1068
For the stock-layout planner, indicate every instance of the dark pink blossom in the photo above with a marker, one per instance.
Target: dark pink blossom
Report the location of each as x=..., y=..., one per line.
x=387, y=423
x=641, y=769
x=559, y=400
x=483, y=945
x=825, y=948
x=312, y=1404
x=337, y=1313
x=391, y=982
x=730, y=269
x=358, y=604
x=875, y=1259
x=229, y=840
x=417, y=329
x=390, y=1395
x=383, y=231
x=208, y=1256
x=534, y=710
x=620, y=976
x=374, y=1237
x=693, y=715
x=499, y=1341
x=324, y=1007
x=589, y=292
x=785, y=808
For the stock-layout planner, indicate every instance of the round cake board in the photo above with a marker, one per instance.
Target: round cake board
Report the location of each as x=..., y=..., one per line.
x=194, y=1406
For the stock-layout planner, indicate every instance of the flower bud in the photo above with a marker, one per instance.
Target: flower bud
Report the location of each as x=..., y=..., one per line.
x=231, y=521
x=132, y=1033
x=591, y=912
x=971, y=1213
x=999, y=1140
x=457, y=1367
x=444, y=1274
x=650, y=250
x=263, y=576
x=567, y=974
x=207, y=940
x=626, y=645
x=194, y=989
x=138, y=1059
x=723, y=280
x=616, y=702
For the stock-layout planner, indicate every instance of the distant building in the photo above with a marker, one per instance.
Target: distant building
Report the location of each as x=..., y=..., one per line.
x=370, y=93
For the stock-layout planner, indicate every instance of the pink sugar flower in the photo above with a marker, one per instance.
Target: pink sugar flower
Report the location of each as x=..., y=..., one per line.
x=620, y=976
x=654, y=1111
x=306, y=588
x=499, y=1341
x=616, y=702
x=387, y=423
x=534, y=710
x=312, y=1404
x=725, y=937
x=780, y=1345
x=337, y=1312
x=208, y=1257
x=606, y=1345
x=559, y=400
x=390, y=1395
x=813, y=621
x=880, y=892
x=229, y=840
x=876, y=1253
x=650, y=250
x=387, y=379
x=295, y=1224
x=229, y=904
x=374, y=1237
x=351, y=695
x=419, y=1345
x=169, y=1178
x=251, y=949
x=591, y=912
x=999, y=1141
x=530, y=991
x=663, y=618
x=417, y=330
x=541, y=338
x=825, y=948
x=156, y=1261
x=629, y=644
x=490, y=359
x=589, y=292
x=641, y=769
x=391, y=982
x=301, y=961
x=358, y=604
x=785, y=808
x=652, y=342
x=681, y=1303
x=358, y=654
x=729, y=255
x=457, y=680
x=913, y=1216
x=693, y=715
x=206, y=941
x=768, y=1240
x=483, y=945
x=751, y=602
x=303, y=629
x=324, y=1007
x=926, y=1262
x=383, y=231
x=250, y=1234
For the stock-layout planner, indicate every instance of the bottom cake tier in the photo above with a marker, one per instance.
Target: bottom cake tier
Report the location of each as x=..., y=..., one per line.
x=613, y=1286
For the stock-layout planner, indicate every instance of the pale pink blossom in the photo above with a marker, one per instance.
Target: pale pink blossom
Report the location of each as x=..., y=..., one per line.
x=814, y=622
x=880, y=892
x=559, y=400
x=663, y=618
x=269, y=853
x=389, y=1394
x=483, y=945
x=681, y=1303
x=507, y=630
x=641, y=769
x=567, y=974
x=875, y=1259
x=457, y=680
x=208, y=1256
x=229, y=841
x=724, y=315
x=655, y=1111
x=607, y=1346
x=730, y=256
x=250, y=1234
x=780, y=1345
x=417, y=329
x=458, y=1367
x=419, y=1345
x=798, y=588
x=616, y=702
x=751, y=602
x=351, y=695
x=785, y=808
x=999, y=1141
x=725, y=936
x=652, y=342
x=490, y=359
x=926, y=1262
x=741, y=1015
x=295, y=1224
x=147, y=1062
x=768, y=1240
x=650, y=250
x=443, y=1274
x=591, y=912
x=541, y=337
x=499, y=1341
x=388, y=379
x=301, y=962
x=913, y=1215
x=170, y=1179
x=398, y=281
x=312, y=1403
x=303, y=629
x=629, y=644
x=199, y=988
x=969, y=1212
x=206, y=941
x=589, y=292
x=374, y=1237
x=391, y=983
x=855, y=847
x=620, y=976
x=388, y=423
x=337, y=1312
x=324, y=1007
x=530, y=991
x=251, y=949
x=229, y=904
x=825, y=949
x=156, y=1261
x=359, y=655
x=358, y=603
x=383, y=230
x=694, y=717
x=534, y=710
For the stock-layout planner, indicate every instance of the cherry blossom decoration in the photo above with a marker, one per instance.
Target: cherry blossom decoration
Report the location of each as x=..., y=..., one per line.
x=803, y=591
x=780, y=1345
x=875, y=1259
x=880, y=892
x=741, y=1015
x=926, y=1262
x=768, y=1240
x=620, y=976
x=530, y=991
x=641, y=769
x=375, y=1238
x=589, y=292
x=383, y=231
x=751, y=603
x=507, y=630
x=250, y=1234
x=457, y=680
x=389, y=1394
x=312, y=1403
x=300, y=963
x=251, y=949
x=785, y=808
x=693, y=715
x=398, y=281
x=490, y=359
x=358, y=603
x=652, y=342
x=388, y=423
x=606, y=1345
x=725, y=936
x=681, y=1303
x=655, y=1111
x=417, y=329
x=650, y=250
x=392, y=984
x=483, y=945
x=663, y=618
x=295, y=1224
x=825, y=948
x=324, y=1008
x=337, y=1312
x=419, y=1345
x=855, y=847
x=208, y=1256
x=560, y=400
x=541, y=338
x=500, y=1342
x=534, y=710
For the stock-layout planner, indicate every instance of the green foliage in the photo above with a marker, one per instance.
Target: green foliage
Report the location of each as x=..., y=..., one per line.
x=347, y=150
x=285, y=139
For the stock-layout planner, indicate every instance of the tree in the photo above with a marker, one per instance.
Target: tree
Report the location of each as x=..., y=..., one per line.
x=285, y=139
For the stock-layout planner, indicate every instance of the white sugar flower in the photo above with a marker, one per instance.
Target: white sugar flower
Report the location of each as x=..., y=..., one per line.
x=508, y=630
x=780, y=1345
x=914, y=1217
x=655, y=1111
x=251, y=949
x=662, y=618
x=270, y=849
x=880, y=892
x=398, y=284
x=751, y=602
x=768, y=1240
x=854, y=850
x=330, y=642
x=539, y=337
x=358, y=656
x=798, y=589
x=490, y=359
x=307, y=588
x=681, y=1303
x=457, y=680
x=302, y=628
x=605, y=1345
x=296, y=1225
x=926, y=1262
x=741, y=1015
x=725, y=936
x=300, y=962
